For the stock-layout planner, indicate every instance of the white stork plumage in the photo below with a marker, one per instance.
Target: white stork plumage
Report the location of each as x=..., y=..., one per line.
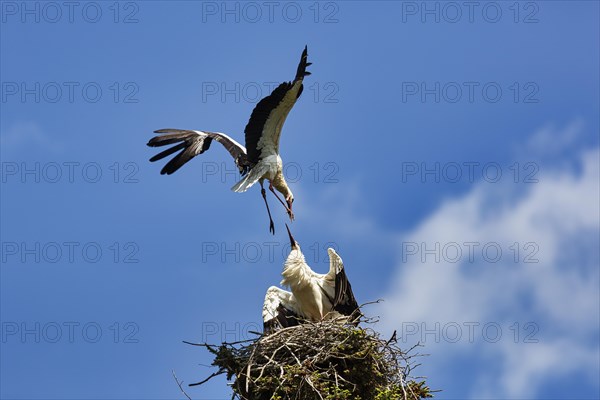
x=260, y=159
x=313, y=296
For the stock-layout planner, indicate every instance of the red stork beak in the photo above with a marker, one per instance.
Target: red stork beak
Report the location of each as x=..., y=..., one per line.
x=293, y=243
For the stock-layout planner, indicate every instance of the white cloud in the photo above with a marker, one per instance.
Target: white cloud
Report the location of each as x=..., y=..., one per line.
x=526, y=367
x=560, y=217
x=27, y=135
x=551, y=141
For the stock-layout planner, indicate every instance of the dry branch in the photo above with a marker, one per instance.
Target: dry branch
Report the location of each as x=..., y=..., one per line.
x=319, y=361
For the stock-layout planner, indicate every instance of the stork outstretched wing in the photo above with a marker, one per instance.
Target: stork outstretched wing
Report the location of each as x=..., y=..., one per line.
x=264, y=127
x=280, y=310
x=191, y=143
x=343, y=301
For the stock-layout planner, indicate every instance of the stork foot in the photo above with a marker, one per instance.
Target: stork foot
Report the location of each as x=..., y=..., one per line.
x=272, y=227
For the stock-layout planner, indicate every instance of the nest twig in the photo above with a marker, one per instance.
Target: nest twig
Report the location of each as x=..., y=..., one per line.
x=319, y=361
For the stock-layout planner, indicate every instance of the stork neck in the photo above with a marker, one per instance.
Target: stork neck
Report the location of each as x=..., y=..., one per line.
x=281, y=185
x=296, y=272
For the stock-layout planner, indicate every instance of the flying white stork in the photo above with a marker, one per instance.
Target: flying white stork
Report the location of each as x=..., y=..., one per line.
x=313, y=296
x=260, y=159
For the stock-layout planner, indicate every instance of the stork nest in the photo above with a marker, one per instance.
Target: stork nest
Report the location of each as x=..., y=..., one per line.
x=325, y=361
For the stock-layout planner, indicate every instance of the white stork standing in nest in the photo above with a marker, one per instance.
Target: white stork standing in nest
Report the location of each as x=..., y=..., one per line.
x=260, y=159
x=313, y=296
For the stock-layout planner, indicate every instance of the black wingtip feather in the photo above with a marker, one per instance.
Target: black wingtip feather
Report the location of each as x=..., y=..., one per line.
x=159, y=141
x=168, y=152
x=173, y=165
x=169, y=130
x=301, y=72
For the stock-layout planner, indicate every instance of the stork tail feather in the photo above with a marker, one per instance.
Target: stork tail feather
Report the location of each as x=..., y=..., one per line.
x=251, y=178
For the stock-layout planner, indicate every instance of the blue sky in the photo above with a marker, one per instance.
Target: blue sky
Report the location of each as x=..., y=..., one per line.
x=418, y=135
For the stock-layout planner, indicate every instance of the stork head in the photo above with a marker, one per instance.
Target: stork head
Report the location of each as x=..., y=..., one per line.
x=282, y=187
x=295, y=252
x=293, y=244
x=295, y=267
x=289, y=199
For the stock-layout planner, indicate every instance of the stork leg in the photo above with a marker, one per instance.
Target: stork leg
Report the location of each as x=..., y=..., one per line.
x=264, y=196
x=289, y=212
